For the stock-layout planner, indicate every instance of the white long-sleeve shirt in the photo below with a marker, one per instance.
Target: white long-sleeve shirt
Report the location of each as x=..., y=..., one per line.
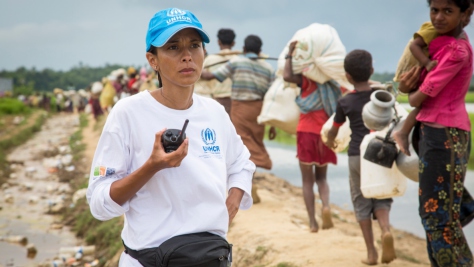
x=175, y=201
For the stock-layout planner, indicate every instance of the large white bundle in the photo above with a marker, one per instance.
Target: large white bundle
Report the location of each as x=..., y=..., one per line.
x=319, y=55
x=279, y=108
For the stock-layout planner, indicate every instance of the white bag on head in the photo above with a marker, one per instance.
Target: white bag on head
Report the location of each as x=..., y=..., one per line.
x=319, y=55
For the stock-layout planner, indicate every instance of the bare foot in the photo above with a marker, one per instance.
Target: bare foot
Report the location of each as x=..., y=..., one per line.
x=313, y=227
x=402, y=141
x=388, y=249
x=327, y=221
x=371, y=258
x=369, y=262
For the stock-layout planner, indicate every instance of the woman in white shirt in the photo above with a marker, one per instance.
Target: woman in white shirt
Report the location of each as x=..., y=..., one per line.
x=196, y=189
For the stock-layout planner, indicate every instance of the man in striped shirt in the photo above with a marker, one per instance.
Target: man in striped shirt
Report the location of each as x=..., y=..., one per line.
x=251, y=79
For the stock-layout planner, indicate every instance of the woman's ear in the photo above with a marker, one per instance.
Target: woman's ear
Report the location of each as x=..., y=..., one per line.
x=152, y=60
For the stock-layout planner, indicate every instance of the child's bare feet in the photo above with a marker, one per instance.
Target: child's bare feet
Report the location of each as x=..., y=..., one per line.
x=402, y=141
x=327, y=221
x=371, y=258
x=388, y=249
x=369, y=262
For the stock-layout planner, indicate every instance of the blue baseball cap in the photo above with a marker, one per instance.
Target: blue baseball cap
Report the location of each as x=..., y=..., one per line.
x=167, y=22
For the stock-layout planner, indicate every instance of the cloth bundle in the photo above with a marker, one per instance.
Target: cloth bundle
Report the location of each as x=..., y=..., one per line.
x=319, y=55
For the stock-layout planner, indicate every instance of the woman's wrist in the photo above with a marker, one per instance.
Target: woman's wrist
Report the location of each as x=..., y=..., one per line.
x=151, y=166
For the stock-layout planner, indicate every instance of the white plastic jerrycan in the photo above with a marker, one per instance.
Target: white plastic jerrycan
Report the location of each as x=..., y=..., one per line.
x=377, y=181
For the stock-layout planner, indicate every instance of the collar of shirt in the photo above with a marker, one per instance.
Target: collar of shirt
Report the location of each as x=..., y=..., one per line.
x=250, y=55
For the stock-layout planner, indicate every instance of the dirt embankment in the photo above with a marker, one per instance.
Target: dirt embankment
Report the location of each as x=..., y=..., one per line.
x=275, y=232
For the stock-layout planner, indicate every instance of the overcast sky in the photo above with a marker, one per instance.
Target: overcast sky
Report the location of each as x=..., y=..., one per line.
x=59, y=34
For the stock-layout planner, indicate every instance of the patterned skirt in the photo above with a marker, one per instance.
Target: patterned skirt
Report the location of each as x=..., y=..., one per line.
x=445, y=205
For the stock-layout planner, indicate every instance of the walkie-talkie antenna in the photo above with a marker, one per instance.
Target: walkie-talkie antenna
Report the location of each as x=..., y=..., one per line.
x=184, y=128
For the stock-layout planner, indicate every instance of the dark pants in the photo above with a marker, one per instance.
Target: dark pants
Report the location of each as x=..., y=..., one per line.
x=445, y=205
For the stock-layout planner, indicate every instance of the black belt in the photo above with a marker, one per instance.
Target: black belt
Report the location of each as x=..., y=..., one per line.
x=131, y=252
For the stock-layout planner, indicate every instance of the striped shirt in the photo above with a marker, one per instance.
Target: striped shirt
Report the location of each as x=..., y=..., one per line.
x=250, y=78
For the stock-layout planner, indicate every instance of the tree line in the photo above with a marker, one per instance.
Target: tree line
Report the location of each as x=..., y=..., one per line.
x=27, y=81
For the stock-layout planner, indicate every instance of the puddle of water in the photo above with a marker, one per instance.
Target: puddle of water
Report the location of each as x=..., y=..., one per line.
x=47, y=244
x=404, y=212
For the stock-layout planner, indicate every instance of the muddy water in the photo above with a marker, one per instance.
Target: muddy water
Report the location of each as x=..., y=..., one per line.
x=33, y=191
x=404, y=212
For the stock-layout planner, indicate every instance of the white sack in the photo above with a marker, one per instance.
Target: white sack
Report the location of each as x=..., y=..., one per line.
x=319, y=55
x=279, y=108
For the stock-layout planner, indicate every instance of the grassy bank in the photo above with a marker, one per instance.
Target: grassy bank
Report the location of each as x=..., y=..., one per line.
x=105, y=235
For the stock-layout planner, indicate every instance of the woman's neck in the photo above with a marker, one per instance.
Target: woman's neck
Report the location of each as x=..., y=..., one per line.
x=174, y=98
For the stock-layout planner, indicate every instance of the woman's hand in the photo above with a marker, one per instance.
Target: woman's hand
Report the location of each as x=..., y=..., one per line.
x=162, y=160
x=409, y=80
x=233, y=202
x=272, y=133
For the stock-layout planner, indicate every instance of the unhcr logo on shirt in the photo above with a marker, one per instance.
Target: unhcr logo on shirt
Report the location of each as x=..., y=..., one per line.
x=209, y=138
x=176, y=15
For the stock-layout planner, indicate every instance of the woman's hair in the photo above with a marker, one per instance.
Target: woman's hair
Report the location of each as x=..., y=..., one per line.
x=253, y=43
x=154, y=51
x=462, y=4
x=227, y=36
x=358, y=64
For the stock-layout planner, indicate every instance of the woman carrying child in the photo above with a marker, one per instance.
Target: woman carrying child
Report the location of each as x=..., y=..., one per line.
x=444, y=146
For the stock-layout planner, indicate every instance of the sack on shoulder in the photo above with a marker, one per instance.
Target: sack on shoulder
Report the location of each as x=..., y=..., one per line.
x=196, y=250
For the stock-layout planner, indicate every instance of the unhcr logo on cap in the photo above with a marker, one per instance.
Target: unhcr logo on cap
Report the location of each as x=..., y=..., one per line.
x=175, y=12
x=176, y=15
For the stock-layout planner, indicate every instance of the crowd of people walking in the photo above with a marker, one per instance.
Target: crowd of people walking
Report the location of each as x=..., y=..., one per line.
x=201, y=186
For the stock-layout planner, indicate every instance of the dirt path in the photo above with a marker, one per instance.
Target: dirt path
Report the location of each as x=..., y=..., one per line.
x=36, y=190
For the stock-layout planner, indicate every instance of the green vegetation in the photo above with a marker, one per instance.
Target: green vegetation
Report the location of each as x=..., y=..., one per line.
x=11, y=106
x=282, y=137
x=105, y=235
x=26, y=81
x=383, y=77
x=77, y=147
x=285, y=264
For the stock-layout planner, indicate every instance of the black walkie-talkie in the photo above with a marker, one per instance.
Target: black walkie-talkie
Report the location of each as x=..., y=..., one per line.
x=173, y=138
